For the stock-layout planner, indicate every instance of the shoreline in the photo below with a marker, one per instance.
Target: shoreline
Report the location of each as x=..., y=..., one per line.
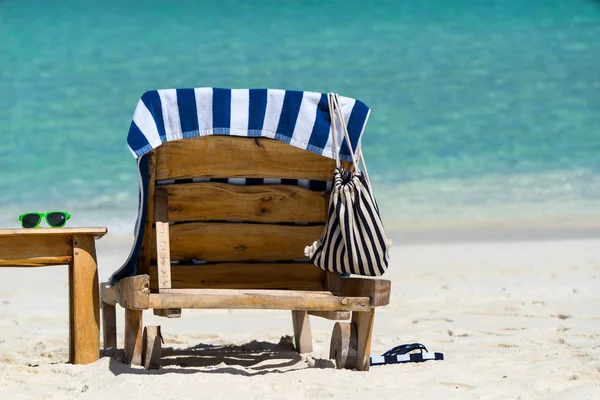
x=496, y=231
x=467, y=232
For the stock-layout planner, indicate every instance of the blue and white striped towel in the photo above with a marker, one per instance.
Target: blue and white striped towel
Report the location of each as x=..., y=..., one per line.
x=295, y=117
x=298, y=118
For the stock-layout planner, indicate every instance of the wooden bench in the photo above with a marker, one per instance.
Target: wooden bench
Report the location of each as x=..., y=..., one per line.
x=59, y=246
x=251, y=238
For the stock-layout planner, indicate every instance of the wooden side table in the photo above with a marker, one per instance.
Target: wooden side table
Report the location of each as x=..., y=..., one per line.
x=59, y=246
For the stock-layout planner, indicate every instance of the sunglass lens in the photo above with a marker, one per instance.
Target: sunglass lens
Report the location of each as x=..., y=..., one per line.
x=30, y=220
x=56, y=219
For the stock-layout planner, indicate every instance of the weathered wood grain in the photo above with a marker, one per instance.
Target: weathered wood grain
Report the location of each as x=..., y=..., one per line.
x=297, y=276
x=208, y=241
x=210, y=201
x=230, y=157
x=256, y=299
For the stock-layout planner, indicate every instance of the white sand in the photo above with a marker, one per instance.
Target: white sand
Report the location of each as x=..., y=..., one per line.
x=515, y=320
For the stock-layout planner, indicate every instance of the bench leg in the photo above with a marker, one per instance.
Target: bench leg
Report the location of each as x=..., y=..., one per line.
x=109, y=326
x=84, y=302
x=364, y=329
x=302, y=334
x=133, y=336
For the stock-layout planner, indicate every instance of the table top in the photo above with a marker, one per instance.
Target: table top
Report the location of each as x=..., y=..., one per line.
x=98, y=232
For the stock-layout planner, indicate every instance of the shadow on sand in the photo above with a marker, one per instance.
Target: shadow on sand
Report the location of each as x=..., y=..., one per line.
x=250, y=359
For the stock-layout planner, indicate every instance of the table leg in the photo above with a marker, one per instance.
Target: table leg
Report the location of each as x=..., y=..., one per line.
x=84, y=302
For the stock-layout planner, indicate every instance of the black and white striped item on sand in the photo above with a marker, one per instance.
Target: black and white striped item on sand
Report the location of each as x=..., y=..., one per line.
x=353, y=240
x=401, y=354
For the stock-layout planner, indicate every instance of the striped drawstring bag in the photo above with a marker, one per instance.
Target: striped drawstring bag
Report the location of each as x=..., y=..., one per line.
x=354, y=240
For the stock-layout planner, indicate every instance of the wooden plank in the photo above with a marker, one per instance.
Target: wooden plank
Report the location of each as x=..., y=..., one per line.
x=167, y=312
x=211, y=201
x=256, y=299
x=364, y=330
x=133, y=336
x=134, y=291
x=110, y=294
x=37, y=262
x=221, y=156
x=163, y=253
x=378, y=290
x=298, y=276
x=333, y=282
x=18, y=250
x=208, y=241
x=302, y=334
x=97, y=232
x=85, y=302
x=148, y=243
x=109, y=326
x=151, y=349
x=332, y=315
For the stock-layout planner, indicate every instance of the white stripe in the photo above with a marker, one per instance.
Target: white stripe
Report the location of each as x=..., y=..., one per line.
x=237, y=181
x=347, y=104
x=170, y=109
x=377, y=359
x=145, y=122
x=273, y=112
x=204, y=108
x=307, y=114
x=240, y=103
x=304, y=183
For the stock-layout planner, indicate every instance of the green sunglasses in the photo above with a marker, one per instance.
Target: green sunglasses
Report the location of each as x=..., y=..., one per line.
x=56, y=219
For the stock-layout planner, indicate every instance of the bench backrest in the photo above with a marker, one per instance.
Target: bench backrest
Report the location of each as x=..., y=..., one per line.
x=231, y=233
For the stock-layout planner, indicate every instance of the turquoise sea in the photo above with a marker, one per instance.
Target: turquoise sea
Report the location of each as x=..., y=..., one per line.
x=482, y=111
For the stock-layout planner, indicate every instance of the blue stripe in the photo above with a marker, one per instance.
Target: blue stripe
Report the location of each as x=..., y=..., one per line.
x=320, y=132
x=355, y=126
x=188, y=114
x=222, y=109
x=289, y=114
x=257, y=109
x=152, y=102
x=136, y=140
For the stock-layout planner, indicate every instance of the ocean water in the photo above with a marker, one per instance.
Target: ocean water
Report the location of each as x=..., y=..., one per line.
x=481, y=111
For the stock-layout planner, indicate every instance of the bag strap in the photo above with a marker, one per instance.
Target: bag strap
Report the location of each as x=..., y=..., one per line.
x=335, y=108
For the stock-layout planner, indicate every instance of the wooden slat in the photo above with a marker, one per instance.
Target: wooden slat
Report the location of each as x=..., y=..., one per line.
x=209, y=241
x=256, y=299
x=378, y=290
x=209, y=201
x=84, y=300
x=109, y=326
x=228, y=157
x=332, y=315
x=302, y=333
x=363, y=321
x=163, y=257
x=148, y=243
x=16, y=250
x=133, y=336
x=98, y=232
x=36, y=262
x=167, y=312
x=243, y=276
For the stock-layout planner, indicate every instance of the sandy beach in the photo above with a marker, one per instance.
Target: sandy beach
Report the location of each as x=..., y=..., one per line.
x=514, y=320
